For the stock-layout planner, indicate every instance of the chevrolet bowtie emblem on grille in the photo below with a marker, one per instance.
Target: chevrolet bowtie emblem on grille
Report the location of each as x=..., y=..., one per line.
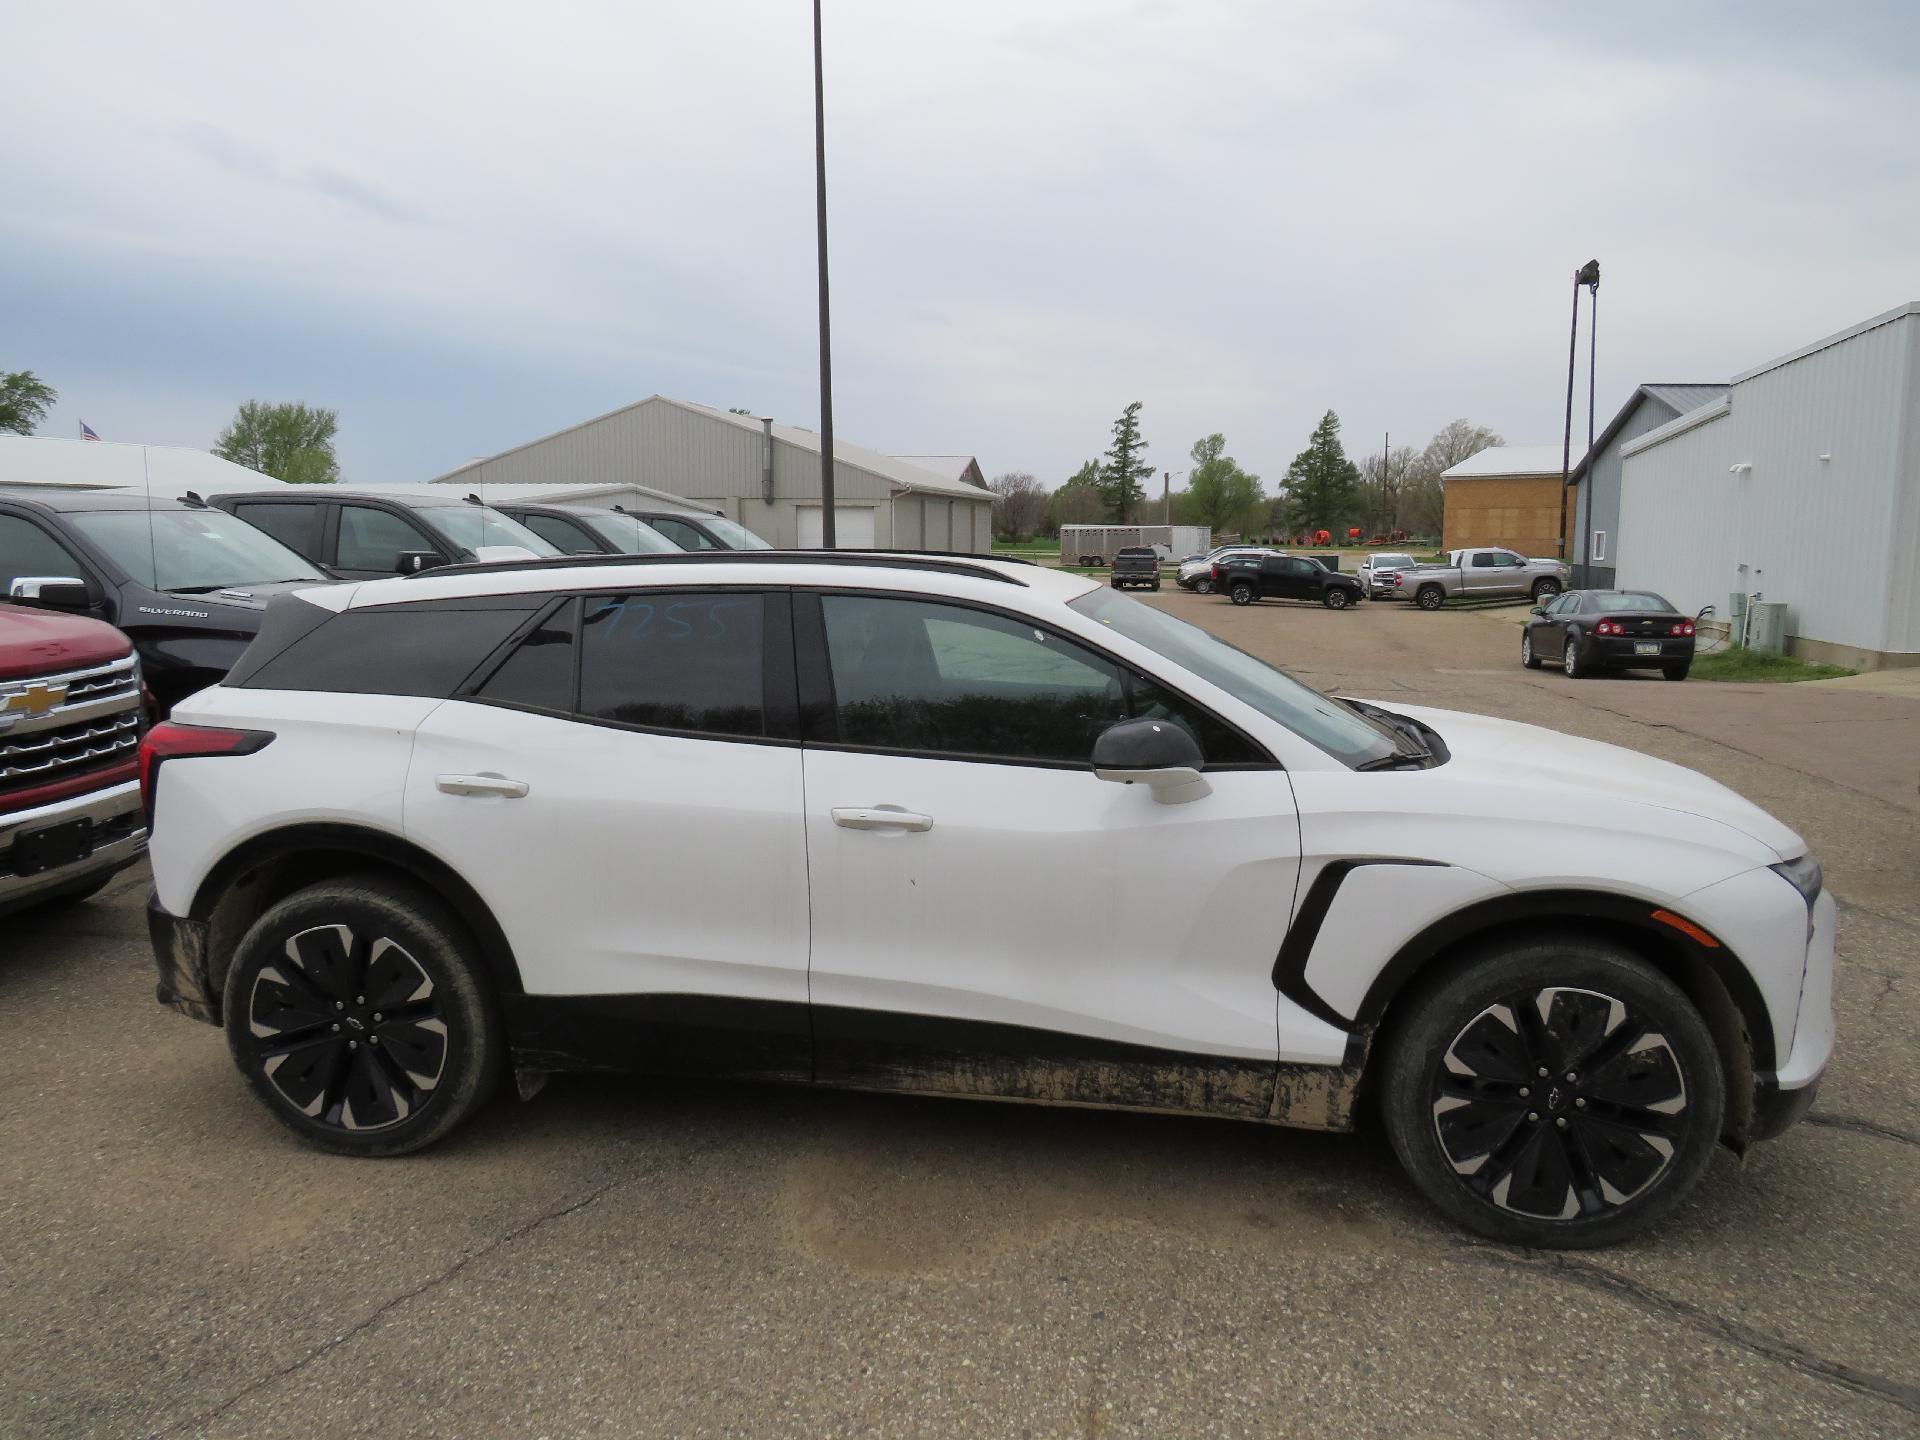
x=34, y=700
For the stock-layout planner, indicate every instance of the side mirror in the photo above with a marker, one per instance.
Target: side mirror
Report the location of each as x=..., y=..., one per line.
x=1538, y=610
x=1154, y=753
x=412, y=562
x=52, y=592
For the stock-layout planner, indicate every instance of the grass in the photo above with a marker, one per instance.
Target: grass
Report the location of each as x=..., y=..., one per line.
x=1757, y=665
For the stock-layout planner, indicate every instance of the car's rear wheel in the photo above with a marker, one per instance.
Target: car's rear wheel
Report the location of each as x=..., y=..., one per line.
x=1555, y=1092
x=1203, y=587
x=1336, y=598
x=1677, y=672
x=1570, y=662
x=358, y=1010
x=1545, y=590
x=1430, y=597
x=1241, y=594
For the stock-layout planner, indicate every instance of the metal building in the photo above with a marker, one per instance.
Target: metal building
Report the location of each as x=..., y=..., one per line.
x=763, y=474
x=1596, y=478
x=1802, y=485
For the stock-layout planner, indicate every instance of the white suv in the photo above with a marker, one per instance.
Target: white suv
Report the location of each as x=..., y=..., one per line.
x=970, y=828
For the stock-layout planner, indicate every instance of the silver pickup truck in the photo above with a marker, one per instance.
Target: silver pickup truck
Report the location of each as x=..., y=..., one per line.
x=1483, y=572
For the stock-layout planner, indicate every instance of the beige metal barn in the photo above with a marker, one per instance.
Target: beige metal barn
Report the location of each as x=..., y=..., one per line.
x=763, y=474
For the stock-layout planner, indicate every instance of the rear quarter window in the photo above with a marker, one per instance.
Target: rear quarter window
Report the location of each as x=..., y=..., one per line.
x=425, y=650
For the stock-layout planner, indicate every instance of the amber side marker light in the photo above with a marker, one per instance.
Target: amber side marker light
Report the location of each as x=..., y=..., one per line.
x=1687, y=928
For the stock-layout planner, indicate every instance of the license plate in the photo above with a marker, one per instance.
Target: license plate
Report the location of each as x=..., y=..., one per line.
x=51, y=846
x=1646, y=647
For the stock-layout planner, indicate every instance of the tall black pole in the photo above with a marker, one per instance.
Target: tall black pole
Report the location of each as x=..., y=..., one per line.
x=1566, y=445
x=1586, y=484
x=826, y=327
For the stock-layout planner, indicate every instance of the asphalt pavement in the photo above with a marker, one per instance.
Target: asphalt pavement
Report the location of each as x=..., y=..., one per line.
x=639, y=1258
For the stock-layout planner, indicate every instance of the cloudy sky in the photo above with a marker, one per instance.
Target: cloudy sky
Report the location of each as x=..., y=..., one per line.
x=466, y=225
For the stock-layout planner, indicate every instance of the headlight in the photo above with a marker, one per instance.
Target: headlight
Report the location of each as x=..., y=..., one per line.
x=1804, y=875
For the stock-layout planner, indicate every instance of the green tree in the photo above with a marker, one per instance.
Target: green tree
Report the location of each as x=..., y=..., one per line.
x=24, y=401
x=1322, y=482
x=1124, y=472
x=1423, y=496
x=291, y=442
x=1220, y=495
x=1078, y=501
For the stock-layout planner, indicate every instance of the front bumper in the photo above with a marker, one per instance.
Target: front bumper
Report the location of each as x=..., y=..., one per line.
x=1783, y=1098
x=116, y=837
x=180, y=955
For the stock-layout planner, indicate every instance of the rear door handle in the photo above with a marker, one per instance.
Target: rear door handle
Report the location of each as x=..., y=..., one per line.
x=481, y=785
x=880, y=817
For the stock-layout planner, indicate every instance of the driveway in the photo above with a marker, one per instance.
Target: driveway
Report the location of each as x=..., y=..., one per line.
x=617, y=1258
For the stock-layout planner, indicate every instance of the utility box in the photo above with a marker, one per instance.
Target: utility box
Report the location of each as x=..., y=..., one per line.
x=1736, y=610
x=1768, y=631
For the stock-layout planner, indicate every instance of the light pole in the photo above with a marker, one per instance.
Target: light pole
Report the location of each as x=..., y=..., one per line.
x=1586, y=483
x=826, y=327
x=1587, y=274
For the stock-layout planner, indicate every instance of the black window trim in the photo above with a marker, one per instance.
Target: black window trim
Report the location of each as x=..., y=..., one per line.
x=779, y=702
x=819, y=709
x=73, y=543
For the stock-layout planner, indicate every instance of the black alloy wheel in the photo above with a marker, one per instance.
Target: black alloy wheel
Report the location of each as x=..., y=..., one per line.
x=1336, y=598
x=1242, y=594
x=1527, y=657
x=353, y=1010
x=1430, y=597
x=1565, y=1093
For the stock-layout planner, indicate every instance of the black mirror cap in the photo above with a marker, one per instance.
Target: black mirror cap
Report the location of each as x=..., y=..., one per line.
x=412, y=562
x=1146, y=744
x=1538, y=610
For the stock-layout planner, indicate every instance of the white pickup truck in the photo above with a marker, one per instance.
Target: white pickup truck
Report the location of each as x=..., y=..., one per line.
x=1482, y=572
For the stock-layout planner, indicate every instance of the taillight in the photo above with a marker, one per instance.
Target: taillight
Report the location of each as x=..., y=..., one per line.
x=1681, y=627
x=1608, y=627
x=169, y=741
x=1216, y=573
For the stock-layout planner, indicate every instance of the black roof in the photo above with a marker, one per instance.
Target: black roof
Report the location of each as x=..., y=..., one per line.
x=59, y=500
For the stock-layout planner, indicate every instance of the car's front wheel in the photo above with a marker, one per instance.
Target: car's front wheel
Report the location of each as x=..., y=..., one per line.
x=1241, y=594
x=1527, y=657
x=1336, y=598
x=358, y=1010
x=1555, y=1092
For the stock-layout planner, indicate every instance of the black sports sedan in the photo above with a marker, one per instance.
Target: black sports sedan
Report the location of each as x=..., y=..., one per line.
x=1584, y=631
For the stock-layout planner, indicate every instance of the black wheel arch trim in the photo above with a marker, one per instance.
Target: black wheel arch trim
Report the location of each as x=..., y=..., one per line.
x=379, y=847
x=1296, y=951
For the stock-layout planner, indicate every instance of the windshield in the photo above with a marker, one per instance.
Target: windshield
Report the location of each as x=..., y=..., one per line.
x=737, y=536
x=1341, y=732
x=471, y=526
x=1630, y=600
x=191, y=549
x=634, y=536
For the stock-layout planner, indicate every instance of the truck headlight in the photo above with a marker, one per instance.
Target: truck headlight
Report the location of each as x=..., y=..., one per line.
x=1804, y=875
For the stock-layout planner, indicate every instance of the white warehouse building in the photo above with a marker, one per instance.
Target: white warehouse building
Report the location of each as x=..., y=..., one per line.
x=1802, y=485
x=762, y=474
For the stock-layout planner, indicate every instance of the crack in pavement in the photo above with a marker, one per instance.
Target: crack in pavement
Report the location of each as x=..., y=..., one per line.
x=197, y=1422
x=1863, y=1127
x=1769, y=1347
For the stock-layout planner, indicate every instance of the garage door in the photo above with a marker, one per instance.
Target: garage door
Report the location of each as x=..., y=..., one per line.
x=853, y=529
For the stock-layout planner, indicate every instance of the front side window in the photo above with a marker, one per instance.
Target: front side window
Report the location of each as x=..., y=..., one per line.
x=675, y=661
x=26, y=549
x=736, y=535
x=191, y=551
x=471, y=526
x=628, y=533
x=681, y=533
x=373, y=539
x=947, y=680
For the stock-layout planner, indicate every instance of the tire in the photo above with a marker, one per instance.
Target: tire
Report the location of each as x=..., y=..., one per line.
x=1570, y=663
x=1527, y=657
x=1155, y=587
x=1430, y=597
x=1677, y=672
x=444, y=1044
x=1630, y=1135
x=1242, y=594
x=1545, y=590
x=1203, y=587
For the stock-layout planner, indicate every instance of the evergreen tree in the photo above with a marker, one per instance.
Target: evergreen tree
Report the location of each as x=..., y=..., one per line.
x=1322, y=484
x=1124, y=473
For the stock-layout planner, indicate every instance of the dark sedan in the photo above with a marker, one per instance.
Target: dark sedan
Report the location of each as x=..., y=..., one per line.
x=1584, y=631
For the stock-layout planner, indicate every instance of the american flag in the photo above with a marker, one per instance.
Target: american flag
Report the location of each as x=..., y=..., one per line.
x=86, y=431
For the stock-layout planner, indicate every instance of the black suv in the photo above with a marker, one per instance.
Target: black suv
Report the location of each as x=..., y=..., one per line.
x=372, y=534
x=1248, y=578
x=1136, y=565
x=187, y=583
x=591, y=529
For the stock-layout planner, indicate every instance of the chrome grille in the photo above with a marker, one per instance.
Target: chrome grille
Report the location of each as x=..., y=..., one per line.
x=44, y=755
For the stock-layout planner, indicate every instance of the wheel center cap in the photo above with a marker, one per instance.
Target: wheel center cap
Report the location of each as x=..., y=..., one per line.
x=1556, y=1099
x=357, y=1023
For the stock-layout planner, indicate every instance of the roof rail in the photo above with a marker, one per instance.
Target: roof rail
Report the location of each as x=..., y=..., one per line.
x=942, y=561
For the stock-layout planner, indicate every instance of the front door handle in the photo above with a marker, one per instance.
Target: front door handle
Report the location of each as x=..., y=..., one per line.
x=880, y=817
x=481, y=785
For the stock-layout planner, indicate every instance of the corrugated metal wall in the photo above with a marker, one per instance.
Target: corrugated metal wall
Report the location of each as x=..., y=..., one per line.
x=1835, y=539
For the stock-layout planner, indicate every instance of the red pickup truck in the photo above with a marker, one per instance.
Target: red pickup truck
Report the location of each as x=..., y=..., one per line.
x=70, y=718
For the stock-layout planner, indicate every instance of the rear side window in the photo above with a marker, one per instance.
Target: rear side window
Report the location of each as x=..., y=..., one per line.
x=395, y=649
x=295, y=526
x=677, y=661
x=539, y=673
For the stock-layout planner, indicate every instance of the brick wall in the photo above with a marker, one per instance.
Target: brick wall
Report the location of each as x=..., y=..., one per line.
x=1520, y=512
